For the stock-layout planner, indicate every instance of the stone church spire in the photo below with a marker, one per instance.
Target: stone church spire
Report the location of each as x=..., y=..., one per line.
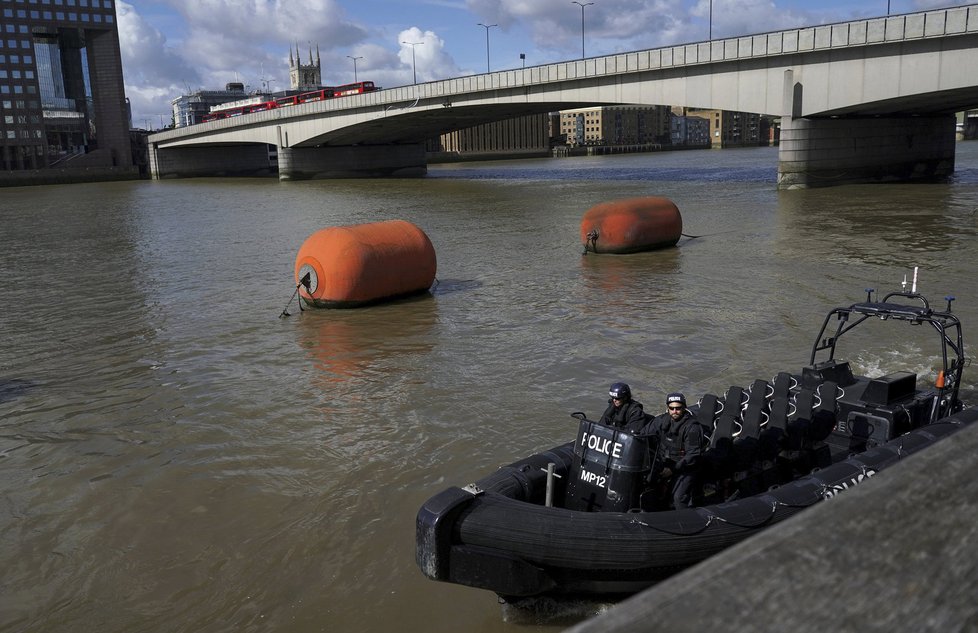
x=305, y=76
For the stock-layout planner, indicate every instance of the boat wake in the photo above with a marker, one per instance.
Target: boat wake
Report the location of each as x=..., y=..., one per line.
x=551, y=611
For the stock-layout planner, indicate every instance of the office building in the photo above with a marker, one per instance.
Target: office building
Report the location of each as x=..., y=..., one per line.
x=62, y=100
x=190, y=109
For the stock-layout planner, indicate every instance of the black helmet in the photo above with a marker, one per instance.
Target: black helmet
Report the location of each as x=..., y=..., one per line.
x=676, y=397
x=620, y=391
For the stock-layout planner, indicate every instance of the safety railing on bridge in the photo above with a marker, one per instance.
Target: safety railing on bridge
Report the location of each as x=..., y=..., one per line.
x=870, y=31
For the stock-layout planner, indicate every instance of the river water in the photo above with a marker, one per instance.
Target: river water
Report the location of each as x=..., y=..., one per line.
x=176, y=457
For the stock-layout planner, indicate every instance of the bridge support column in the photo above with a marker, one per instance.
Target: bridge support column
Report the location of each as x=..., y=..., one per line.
x=837, y=151
x=359, y=161
x=187, y=162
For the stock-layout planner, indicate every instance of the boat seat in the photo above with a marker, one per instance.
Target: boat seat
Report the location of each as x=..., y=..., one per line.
x=800, y=421
x=709, y=407
x=720, y=453
x=773, y=433
x=823, y=420
x=754, y=417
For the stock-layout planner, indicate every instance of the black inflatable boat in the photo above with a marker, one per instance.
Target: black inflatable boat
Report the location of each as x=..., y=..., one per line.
x=572, y=520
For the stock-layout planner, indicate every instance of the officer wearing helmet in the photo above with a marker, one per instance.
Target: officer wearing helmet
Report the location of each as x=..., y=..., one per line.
x=622, y=411
x=680, y=453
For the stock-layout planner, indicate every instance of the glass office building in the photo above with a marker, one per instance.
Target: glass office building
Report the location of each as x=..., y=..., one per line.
x=62, y=101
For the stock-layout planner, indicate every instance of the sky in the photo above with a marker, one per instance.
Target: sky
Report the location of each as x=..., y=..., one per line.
x=174, y=47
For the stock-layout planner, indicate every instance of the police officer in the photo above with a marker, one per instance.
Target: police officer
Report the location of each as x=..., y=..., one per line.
x=681, y=443
x=622, y=411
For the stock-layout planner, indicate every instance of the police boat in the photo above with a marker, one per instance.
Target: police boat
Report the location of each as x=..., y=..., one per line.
x=573, y=521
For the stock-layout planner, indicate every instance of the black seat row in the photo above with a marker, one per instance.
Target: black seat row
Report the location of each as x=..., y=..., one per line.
x=752, y=427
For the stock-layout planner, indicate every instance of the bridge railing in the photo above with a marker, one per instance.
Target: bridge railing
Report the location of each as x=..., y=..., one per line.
x=870, y=31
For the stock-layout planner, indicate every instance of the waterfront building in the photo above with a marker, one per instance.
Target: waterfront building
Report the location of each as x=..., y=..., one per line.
x=190, y=109
x=62, y=99
x=615, y=125
x=689, y=131
x=732, y=129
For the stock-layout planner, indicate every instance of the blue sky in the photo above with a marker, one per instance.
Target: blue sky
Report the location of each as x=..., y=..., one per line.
x=171, y=47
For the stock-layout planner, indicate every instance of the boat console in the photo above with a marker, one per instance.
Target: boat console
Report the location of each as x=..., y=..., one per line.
x=609, y=469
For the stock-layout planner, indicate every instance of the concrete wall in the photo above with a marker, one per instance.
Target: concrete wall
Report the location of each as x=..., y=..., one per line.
x=827, y=152
x=210, y=160
x=370, y=161
x=897, y=553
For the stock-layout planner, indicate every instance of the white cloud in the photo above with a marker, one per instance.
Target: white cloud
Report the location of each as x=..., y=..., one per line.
x=433, y=62
x=154, y=73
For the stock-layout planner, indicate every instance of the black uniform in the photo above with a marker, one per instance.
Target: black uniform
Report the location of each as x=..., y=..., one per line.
x=681, y=444
x=629, y=416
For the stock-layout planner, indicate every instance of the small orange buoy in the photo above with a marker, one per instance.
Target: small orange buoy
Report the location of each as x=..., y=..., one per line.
x=350, y=266
x=632, y=225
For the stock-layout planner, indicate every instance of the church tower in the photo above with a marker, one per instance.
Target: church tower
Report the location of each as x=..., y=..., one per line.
x=302, y=76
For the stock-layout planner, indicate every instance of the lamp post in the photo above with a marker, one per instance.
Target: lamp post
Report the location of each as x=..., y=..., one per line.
x=711, y=20
x=487, y=27
x=414, y=60
x=354, y=66
x=582, y=5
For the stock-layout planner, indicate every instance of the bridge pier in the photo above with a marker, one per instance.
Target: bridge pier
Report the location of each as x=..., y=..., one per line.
x=358, y=161
x=837, y=151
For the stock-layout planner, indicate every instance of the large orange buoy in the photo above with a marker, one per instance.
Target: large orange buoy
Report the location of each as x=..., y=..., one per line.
x=632, y=225
x=354, y=265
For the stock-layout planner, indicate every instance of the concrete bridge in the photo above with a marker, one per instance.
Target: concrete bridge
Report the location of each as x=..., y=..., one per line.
x=863, y=101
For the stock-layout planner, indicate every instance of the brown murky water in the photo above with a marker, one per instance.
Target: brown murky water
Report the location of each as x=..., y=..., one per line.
x=175, y=457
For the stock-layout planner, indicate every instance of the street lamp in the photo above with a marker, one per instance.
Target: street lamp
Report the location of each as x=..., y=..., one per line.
x=414, y=60
x=354, y=66
x=711, y=20
x=487, y=27
x=582, y=5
